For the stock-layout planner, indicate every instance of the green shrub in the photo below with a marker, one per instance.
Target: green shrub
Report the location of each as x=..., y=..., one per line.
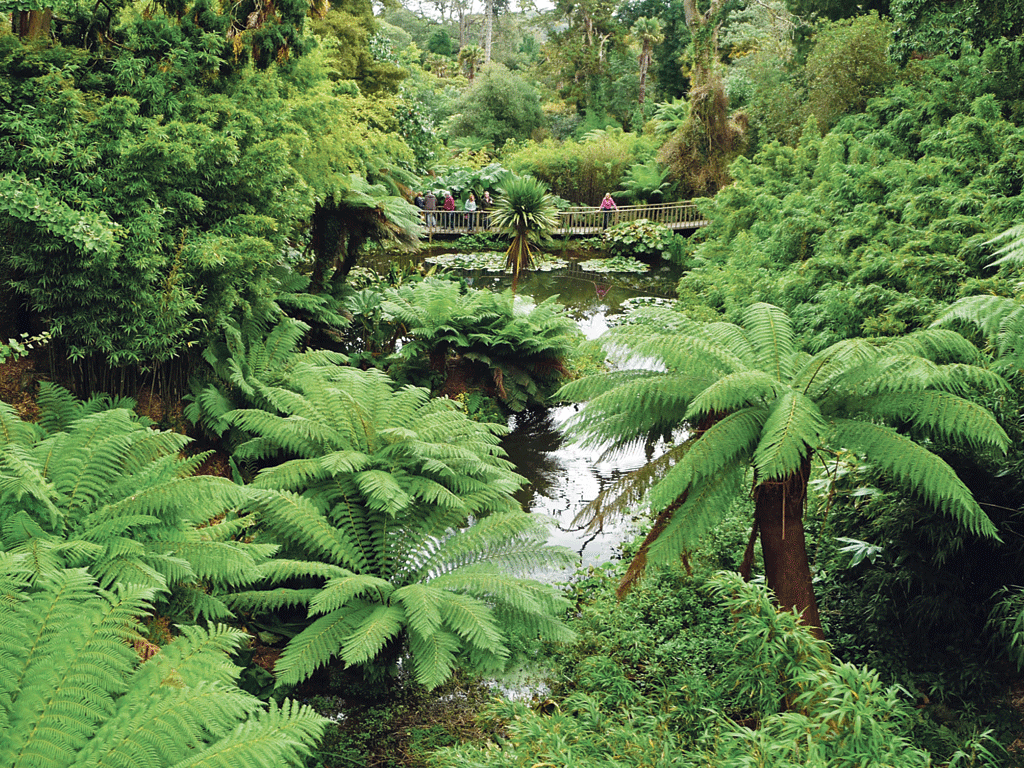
x=640, y=238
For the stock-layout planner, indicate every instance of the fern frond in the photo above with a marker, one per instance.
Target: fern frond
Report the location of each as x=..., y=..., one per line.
x=734, y=391
x=297, y=519
x=421, y=604
x=382, y=491
x=1012, y=246
x=262, y=601
x=313, y=647
x=793, y=430
x=817, y=375
x=14, y=430
x=473, y=621
x=707, y=503
x=730, y=440
x=341, y=590
x=274, y=737
x=372, y=633
x=953, y=419
x=433, y=656
x=940, y=345
x=771, y=334
x=924, y=472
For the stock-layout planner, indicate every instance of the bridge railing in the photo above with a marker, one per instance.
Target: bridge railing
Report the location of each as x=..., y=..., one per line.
x=580, y=220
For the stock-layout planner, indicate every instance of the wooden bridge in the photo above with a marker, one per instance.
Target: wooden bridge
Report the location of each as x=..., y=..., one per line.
x=581, y=220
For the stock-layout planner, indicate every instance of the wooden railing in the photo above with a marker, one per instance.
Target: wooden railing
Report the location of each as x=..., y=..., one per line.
x=573, y=221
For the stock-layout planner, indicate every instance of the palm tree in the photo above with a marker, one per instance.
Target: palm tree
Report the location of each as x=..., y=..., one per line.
x=751, y=401
x=648, y=33
x=527, y=213
x=470, y=59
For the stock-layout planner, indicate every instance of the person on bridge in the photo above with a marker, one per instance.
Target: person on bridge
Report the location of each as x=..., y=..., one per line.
x=449, y=207
x=486, y=203
x=470, y=211
x=429, y=206
x=608, y=205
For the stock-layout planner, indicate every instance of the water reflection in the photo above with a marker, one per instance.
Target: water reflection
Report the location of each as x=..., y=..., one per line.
x=564, y=477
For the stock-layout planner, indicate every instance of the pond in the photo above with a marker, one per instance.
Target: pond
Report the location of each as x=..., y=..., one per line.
x=563, y=477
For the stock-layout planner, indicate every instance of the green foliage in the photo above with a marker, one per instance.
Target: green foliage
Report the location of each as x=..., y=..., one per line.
x=751, y=400
x=527, y=213
x=22, y=346
x=520, y=347
x=94, y=487
x=647, y=182
x=398, y=531
x=73, y=692
x=249, y=358
x=639, y=238
x=925, y=28
x=582, y=171
x=847, y=66
x=874, y=228
x=498, y=106
x=776, y=698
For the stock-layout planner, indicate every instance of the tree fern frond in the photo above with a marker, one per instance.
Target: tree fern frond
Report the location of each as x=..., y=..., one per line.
x=1012, y=246
x=771, y=334
x=382, y=491
x=274, y=737
x=341, y=590
x=989, y=314
x=624, y=495
x=707, y=502
x=297, y=519
x=817, y=375
x=269, y=600
x=951, y=418
x=473, y=621
x=731, y=439
x=421, y=603
x=14, y=430
x=926, y=474
x=939, y=345
x=793, y=430
x=372, y=633
x=433, y=656
x=733, y=391
x=313, y=647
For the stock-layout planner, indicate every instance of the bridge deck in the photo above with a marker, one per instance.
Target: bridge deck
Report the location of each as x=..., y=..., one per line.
x=575, y=221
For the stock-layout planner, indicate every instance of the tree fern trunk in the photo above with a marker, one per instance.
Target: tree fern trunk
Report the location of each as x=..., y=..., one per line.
x=779, y=511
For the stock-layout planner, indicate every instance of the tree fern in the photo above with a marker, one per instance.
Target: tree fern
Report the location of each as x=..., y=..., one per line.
x=748, y=398
x=111, y=494
x=74, y=694
x=384, y=501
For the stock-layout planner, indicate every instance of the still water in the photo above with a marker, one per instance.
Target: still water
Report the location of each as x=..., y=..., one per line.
x=564, y=477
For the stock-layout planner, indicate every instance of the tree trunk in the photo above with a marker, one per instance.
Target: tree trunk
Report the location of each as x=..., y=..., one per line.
x=488, y=29
x=32, y=24
x=779, y=513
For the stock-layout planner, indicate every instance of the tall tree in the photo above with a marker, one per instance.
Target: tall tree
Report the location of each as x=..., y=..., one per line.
x=648, y=33
x=758, y=410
